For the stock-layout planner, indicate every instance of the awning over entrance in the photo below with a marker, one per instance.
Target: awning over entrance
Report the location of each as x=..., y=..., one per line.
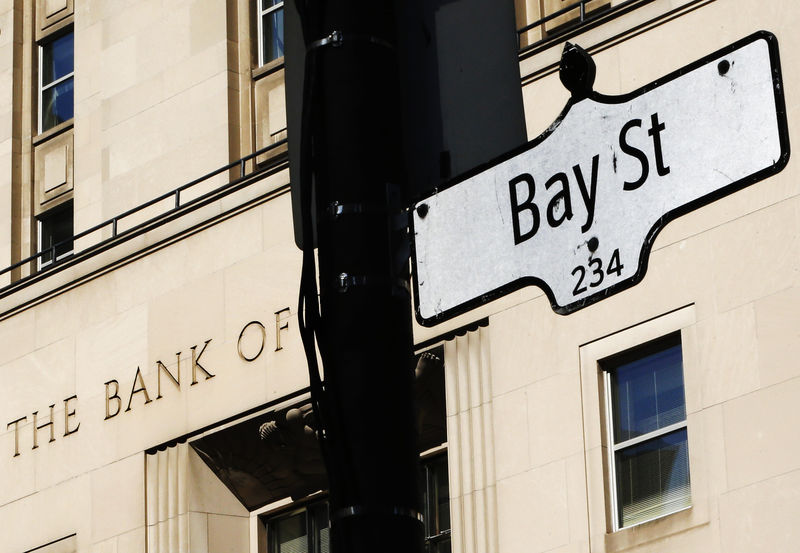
x=274, y=455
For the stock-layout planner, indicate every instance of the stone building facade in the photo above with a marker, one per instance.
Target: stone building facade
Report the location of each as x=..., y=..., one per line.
x=154, y=394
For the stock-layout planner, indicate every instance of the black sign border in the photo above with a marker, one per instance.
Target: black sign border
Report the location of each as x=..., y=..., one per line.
x=644, y=255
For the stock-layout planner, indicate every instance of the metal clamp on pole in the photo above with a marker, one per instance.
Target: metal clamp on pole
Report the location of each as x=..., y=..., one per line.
x=345, y=281
x=336, y=209
x=359, y=510
x=337, y=38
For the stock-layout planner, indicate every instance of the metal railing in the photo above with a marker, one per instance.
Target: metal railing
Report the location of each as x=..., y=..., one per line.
x=276, y=162
x=584, y=17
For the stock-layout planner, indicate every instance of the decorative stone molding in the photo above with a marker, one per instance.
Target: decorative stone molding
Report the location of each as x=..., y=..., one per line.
x=470, y=435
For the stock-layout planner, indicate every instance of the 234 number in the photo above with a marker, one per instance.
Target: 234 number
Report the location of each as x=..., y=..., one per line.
x=596, y=272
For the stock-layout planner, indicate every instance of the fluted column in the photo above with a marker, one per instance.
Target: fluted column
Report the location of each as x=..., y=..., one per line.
x=167, y=500
x=473, y=498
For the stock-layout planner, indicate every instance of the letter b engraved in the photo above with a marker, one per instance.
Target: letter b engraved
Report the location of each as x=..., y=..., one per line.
x=110, y=397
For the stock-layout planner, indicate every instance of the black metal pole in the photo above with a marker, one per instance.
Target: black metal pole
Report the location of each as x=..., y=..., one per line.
x=365, y=330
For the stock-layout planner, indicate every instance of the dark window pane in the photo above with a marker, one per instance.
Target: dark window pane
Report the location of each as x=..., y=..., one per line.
x=289, y=535
x=272, y=37
x=56, y=230
x=321, y=527
x=441, y=545
x=647, y=394
x=653, y=478
x=325, y=540
x=57, y=59
x=57, y=104
x=442, y=501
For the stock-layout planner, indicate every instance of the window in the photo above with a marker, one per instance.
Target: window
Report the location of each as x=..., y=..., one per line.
x=55, y=234
x=649, y=455
x=436, y=504
x=304, y=531
x=307, y=530
x=56, y=75
x=270, y=30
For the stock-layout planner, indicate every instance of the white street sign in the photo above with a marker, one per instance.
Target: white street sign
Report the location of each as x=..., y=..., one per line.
x=576, y=210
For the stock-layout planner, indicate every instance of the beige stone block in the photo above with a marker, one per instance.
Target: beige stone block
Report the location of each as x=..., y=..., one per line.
x=520, y=339
x=139, y=282
x=198, y=532
x=17, y=333
x=65, y=314
x=577, y=499
x=664, y=534
x=117, y=498
x=762, y=517
x=52, y=15
x=210, y=400
x=131, y=101
x=259, y=286
x=511, y=450
x=64, y=545
x=693, y=370
x=55, y=168
x=53, y=171
x=92, y=443
x=276, y=216
x=270, y=109
x=526, y=525
x=66, y=457
x=758, y=428
x=209, y=494
x=224, y=244
x=228, y=534
x=208, y=25
x=116, y=62
x=573, y=16
x=66, y=508
x=778, y=335
x=51, y=7
x=598, y=493
x=707, y=452
x=6, y=20
x=111, y=349
x=658, y=293
x=193, y=314
x=756, y=255
x=144, y=19
x=640, y=67
x=749, y=200
x=43, y=377
x=188, y=72
x=19, y=476
x=728, y=355
x=148, y=424
x=105, y=546
x=554, y=418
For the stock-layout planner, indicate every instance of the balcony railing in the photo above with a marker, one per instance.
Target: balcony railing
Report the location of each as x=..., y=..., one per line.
x=583, y=17
x=276, y=163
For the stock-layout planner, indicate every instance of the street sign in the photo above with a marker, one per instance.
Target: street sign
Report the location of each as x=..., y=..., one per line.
x=576, y=210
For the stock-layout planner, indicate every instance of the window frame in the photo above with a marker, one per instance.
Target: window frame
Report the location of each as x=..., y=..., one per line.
x=41, y=87
x=608, y=366
x=429, y=503
x=41, y=263
x=260, y=13
x=436, y=456
x=309, y=509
